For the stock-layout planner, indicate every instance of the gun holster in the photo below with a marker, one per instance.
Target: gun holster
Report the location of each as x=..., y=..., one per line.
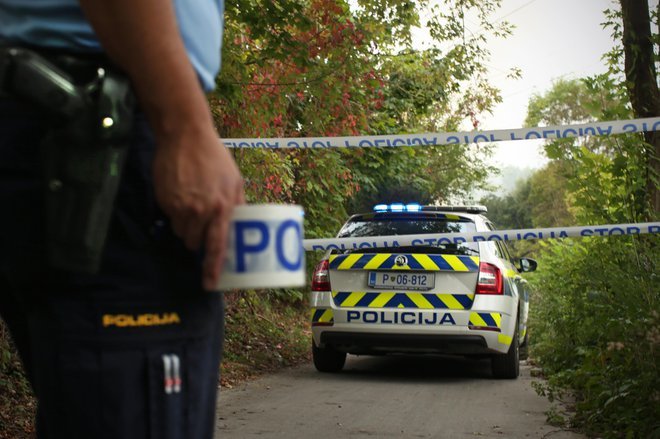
x=83, y=153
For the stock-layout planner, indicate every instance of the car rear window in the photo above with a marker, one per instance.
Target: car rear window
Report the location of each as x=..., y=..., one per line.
x=411, y=225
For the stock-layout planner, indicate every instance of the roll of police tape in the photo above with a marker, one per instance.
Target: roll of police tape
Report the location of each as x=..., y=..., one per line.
x=494, y=235
x=265, y=248
x=427, y=139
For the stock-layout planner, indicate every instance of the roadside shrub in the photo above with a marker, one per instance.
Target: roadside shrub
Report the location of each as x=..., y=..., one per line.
x=596, y=331
x=17, y=405
x=264, y=331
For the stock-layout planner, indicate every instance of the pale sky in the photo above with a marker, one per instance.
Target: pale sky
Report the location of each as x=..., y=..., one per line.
x=553, y=39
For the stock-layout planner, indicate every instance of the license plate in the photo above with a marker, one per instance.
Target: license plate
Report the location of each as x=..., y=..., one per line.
x=400, y=280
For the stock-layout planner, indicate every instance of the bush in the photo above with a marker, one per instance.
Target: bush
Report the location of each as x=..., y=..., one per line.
x=264, y=331
x=596, y=331
x=17, y=405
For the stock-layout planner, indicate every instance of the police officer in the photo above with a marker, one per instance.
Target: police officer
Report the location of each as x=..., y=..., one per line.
x=131, y=351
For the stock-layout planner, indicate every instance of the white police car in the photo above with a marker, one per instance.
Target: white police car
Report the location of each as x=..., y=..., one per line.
x=465, y=299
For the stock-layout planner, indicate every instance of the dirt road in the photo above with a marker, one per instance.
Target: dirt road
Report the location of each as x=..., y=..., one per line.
x=387, y=397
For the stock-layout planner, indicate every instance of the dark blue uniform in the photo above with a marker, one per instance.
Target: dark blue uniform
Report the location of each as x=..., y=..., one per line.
x=131, y=352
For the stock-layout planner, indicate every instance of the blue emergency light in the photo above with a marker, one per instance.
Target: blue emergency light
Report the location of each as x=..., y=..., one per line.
x=398, y=207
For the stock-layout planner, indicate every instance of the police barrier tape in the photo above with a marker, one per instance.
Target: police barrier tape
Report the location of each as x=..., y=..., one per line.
x=494, y=235
x=426, y=139
x=264, y=247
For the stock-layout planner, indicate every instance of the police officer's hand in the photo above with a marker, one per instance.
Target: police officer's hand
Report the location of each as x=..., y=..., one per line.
x=198, y=184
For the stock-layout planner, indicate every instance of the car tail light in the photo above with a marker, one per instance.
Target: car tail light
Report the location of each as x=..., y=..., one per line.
x=321, y=277
x=490, y=279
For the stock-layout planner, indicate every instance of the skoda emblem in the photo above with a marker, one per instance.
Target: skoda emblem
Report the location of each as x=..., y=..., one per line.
x=401, y=261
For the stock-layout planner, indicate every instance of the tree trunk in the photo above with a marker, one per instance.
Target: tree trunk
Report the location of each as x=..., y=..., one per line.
x=641, y=78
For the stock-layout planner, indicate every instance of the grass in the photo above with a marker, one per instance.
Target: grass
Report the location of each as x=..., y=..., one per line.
x=17, y=404
x=262, y=334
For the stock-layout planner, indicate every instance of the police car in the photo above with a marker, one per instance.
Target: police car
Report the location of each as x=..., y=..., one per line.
x=465, y=299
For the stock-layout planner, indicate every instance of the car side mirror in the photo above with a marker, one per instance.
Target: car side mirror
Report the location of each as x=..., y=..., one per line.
x=527, y=265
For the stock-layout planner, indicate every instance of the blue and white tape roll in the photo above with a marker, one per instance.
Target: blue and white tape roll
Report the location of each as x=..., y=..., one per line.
x=265, y=248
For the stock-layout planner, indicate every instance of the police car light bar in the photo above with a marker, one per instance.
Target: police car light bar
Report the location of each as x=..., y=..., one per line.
x=398, y=207
x=414, y=207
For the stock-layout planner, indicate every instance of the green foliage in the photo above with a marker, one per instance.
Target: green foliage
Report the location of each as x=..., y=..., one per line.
x=511, y=211
x=604, y=177
x=595, y=320
x=541, y=200
x=263, y=332
x=549, y=198
x=515, y=211
x=17, y=404
x=596, y=330
x=568, y=101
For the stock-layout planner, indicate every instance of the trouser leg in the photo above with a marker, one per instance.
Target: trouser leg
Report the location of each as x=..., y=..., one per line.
x=20, y=222
x=129, y=382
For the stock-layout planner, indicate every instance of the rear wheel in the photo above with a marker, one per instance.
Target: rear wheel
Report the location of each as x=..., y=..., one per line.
x=507, y=365
x=524, y=348
x=328, y=359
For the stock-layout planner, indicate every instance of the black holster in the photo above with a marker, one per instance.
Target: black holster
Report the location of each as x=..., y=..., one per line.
x=83, y=152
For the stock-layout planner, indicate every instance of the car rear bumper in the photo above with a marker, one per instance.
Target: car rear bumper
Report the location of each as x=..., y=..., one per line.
x=371, y=343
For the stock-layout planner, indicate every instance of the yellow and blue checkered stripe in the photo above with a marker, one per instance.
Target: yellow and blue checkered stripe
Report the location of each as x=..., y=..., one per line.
x=357, y=299
x=322, y=316
x=490, y=321
x=386, y=261
x=486, y=319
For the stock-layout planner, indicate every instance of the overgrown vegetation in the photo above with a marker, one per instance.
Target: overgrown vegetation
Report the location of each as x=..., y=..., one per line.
x=595, y=329
x=262, y=333
x=17, y=404
x=595, y=319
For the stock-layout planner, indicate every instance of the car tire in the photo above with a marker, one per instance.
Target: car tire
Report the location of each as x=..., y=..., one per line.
x=524, y=348
x=328, y=359
x=507, y=366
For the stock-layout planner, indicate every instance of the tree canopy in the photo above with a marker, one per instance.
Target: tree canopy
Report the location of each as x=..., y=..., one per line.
x=333, y=67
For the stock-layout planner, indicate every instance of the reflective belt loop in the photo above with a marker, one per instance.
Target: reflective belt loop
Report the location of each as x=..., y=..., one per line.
x=167, y=369
x=176, y=366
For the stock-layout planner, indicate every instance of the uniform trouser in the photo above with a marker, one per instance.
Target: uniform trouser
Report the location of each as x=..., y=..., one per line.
x=131, y=352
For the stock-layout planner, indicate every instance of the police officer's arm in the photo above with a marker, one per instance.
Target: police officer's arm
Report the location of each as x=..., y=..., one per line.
x=196, y=180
